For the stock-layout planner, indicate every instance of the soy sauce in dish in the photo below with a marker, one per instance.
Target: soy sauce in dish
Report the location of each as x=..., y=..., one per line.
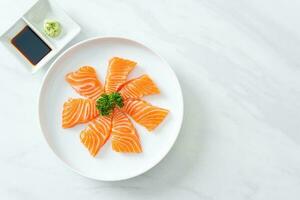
x=30, y=45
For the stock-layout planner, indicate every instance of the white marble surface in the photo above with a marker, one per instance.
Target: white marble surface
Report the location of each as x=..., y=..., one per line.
x=239, y=66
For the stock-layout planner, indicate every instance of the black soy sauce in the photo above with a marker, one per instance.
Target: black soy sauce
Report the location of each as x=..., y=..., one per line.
x=30, y=45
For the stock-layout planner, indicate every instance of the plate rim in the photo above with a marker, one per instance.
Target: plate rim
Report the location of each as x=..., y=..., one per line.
x=181, y=107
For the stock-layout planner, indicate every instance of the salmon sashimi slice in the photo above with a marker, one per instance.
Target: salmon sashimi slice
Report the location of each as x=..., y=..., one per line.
x=85, y=82
x=144, y=113
x=77, y=111
x=96, y=134
x=124, y=136
x=118, y=70
x=138, y=87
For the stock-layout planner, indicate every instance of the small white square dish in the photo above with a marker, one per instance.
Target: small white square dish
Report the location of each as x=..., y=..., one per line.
x=27, y=40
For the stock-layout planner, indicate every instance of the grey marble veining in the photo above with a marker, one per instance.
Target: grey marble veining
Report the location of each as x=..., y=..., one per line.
x=238, y=65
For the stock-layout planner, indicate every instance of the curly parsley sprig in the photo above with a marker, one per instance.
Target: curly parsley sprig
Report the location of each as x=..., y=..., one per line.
x=107, y=102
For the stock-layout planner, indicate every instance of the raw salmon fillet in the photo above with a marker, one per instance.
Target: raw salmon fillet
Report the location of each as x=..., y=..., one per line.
x=77, y=111
x=138, y=87
x=96, y=134
x=144, y=113
x=85, y=82
x=124, y=136
x=118, y=70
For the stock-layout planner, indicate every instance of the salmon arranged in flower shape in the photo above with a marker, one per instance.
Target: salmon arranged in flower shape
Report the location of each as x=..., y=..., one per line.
x=78, y=111
x=124, y=136
x=138, y=87
x=117, y=72
x=144, y=113
x=85, y=82
x=107, y=109
x=96, y=134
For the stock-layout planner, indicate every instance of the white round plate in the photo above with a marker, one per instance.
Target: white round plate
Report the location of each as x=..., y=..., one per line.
x=109, y=165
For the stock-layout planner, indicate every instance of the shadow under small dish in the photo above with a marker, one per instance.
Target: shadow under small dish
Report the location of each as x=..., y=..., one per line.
x=106, y=107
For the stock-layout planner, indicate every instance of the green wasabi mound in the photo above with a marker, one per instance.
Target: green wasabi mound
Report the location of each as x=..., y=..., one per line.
x=52, y=28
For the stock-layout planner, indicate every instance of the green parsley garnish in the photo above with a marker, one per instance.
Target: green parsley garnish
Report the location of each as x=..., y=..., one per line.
x=107, y=102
